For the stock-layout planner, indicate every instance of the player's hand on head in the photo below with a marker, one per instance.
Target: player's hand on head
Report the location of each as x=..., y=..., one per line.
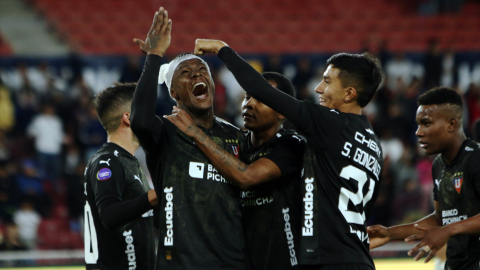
x=378, y=236
x=158, y=38
x=183, y=121
x=432, y=239
x=203, y=46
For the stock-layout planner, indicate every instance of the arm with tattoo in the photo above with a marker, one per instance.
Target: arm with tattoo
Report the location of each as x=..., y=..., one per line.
x=241, y=174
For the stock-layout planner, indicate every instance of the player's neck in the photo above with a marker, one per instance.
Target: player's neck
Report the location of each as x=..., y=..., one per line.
x=452, y=151
x=261, y=137
x=203, y=118
x=124, y=139
x=350, y=108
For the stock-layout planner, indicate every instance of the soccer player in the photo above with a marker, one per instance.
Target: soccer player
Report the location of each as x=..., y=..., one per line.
x=343, y=166
x=118, y=210
x=456, y=193
x=200, y=211
x=275, y=159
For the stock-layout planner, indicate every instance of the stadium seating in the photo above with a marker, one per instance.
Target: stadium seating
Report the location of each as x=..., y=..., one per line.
x=287, y=26
x=4, y=47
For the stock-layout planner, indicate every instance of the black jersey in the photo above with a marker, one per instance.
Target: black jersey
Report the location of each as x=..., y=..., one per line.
x=200, y=211
x=342, y=173
x=271, y=218
x=113, y=173
x=457, y=191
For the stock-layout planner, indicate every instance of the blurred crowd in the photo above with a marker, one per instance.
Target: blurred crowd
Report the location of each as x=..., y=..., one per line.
x=49, y=130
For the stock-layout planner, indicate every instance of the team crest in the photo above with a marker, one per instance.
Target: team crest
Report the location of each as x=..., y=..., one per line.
x=235, y=149
x=457, y=183
x=234, y=145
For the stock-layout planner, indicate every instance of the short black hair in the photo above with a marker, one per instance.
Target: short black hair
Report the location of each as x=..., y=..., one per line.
x=443, y=96
x=361, y=71
x=440, y=95
x=283, y=84
x=112, y=103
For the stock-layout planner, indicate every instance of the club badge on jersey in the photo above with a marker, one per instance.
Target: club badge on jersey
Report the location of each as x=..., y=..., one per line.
x=104, y=174
x=457, y=183
x=235, y=148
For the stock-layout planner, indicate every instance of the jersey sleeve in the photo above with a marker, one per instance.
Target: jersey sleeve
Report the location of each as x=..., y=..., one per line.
x=314, y=121
x=435, y=187
x=144, y=123
x=473, y=170
x=287, y=154
x=108, y=179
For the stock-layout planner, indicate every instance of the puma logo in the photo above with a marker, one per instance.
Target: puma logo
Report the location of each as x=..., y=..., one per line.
x=437, y=182
x=138, y=178
x=106, y=162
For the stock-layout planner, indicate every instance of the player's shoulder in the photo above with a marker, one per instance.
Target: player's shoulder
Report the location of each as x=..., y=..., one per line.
x=224, y=124
x=290, y=138
x=473, y=149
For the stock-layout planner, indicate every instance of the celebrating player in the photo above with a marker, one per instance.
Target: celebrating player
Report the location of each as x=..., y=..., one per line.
x=118, y=223
x=456, y=191
x=200, y=211
x=275, y=156
x=342, y=171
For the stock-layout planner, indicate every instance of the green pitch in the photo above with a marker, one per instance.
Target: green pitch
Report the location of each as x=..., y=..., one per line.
x=380, y=264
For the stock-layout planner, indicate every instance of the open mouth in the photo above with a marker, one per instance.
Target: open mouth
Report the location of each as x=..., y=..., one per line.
x=423, y=144
x=247, y=115
x=200, y=90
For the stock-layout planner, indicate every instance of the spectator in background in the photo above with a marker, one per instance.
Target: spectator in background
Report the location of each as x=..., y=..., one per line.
x=76, y=196
x=132, y=71
x=400, y=68
x=449, y=69
x=406, y=201
x=91, y=133
x=7, y=112
x=47, y=131
x=274, y=64
x=27, y=221
x=303, y=75
x=433, y=65
x=8, y=193
x=31, y=187
x=424, y=174
x=11, y=239
x=27, y=103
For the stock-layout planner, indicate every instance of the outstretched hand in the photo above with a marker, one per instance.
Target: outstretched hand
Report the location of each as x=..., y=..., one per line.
x=158, y=38
x=203, y=46
x=432, y=239
x=378, y=236
x=183, y=121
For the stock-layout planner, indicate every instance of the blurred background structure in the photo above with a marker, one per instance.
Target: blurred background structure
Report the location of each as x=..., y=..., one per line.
x=55, y=55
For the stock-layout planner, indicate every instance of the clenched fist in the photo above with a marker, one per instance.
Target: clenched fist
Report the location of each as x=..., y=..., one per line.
x=203, y=46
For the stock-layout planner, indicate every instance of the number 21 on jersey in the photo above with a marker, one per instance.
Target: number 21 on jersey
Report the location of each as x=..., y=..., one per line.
x=352, y=172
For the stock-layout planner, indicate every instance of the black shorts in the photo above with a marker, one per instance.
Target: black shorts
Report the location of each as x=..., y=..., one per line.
x=350, y=266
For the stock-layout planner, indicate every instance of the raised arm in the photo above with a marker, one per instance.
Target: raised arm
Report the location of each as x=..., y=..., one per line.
x=250, y=80
x=146, y=126
x=233, y=169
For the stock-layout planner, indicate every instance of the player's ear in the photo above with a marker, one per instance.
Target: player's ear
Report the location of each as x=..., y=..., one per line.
x=126, y=118
x=452, y=125
x=173, y=94
x=350, y=94
x=281, y=117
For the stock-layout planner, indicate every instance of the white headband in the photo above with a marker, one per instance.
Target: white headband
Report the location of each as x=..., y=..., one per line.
x=167, y=70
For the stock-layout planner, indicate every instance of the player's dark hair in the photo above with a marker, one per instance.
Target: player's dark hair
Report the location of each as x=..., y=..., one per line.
x=283, y=84
x=112, y=103
x=443, y=96
x=440, y=95
x=360, y=71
